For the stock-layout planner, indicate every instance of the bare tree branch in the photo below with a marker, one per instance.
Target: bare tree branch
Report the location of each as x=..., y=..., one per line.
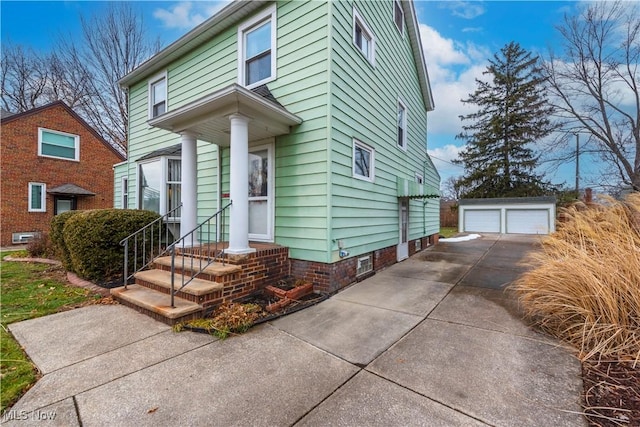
x=594, y=86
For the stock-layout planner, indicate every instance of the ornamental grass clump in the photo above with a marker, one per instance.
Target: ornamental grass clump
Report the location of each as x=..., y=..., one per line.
x=584, y=287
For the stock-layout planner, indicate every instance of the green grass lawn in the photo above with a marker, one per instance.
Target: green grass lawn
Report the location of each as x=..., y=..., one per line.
x=29, y=290
x=448, y=231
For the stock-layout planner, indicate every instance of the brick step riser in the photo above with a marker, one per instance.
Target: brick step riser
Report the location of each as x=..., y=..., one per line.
x=230, y=294
x=225, y=278
x=200, y=299
x=159, y=317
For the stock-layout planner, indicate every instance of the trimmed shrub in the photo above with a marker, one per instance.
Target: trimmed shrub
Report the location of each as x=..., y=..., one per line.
x=56, y=236
x=93, y=240
x=585, y=284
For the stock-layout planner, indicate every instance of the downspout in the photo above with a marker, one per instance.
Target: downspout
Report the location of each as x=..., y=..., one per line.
x=424, y=175
x=424, y=203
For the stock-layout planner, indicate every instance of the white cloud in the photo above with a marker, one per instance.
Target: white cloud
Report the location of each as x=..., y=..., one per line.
x=440, y=50
x=445, y=154
x=464, y=9
x=443, y=158
x=453, y=70
x=180, y=16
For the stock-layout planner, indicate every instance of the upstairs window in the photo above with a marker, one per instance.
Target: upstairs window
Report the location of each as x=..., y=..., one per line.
x=398, y=16
x=257, y=49
x=37, y=197
x=419, y=178
x=363, y=37
x=363, y=161
x=402, y=126
x=157, y=96
x=59, y=145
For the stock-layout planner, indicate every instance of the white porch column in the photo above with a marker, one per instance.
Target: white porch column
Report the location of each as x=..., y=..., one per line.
x=239, y=186
x=189, y=190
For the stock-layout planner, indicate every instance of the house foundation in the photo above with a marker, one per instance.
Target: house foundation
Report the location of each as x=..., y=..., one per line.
x=330, y=278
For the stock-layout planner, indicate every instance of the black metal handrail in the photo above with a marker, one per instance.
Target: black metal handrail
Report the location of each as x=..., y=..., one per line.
x=150, y=242
x=204, y=255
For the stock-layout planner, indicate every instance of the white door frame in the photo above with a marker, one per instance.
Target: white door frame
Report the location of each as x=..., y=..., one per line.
x=268, y=237
x=402, y=250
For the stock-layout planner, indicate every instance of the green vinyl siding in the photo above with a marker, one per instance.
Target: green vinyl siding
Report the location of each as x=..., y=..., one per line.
x=364, y=100
x=301, y=166
x=120, y=171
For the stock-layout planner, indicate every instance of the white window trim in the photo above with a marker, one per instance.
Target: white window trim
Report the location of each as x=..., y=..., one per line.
x=124, y=190
x=419, y=178
x=393, y=14
x=43, y=196
x=153, y=80
x=164, y=161
x=371, y=178
x=269, y=14
x=76, y=144
x=405, y=125
x=371, y=54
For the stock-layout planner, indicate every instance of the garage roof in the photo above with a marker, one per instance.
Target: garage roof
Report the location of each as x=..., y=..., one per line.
x=508, y=200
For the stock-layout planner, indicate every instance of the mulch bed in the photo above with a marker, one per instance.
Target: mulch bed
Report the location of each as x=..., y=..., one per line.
x=611, y=393
x=263, y=301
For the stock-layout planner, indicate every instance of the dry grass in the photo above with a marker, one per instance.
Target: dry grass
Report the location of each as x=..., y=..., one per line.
x=585, y=284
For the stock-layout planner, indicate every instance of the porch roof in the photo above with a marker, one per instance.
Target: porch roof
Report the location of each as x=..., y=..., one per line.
x=208, y=117
x=70, y=190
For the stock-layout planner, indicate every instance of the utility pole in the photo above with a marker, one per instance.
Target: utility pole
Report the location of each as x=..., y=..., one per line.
x=578, y=164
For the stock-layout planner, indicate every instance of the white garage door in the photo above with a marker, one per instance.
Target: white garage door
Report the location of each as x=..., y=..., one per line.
x=528, y=221
x=482, y=220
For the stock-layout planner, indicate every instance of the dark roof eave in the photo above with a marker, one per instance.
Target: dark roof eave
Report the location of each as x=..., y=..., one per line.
x=70, y=190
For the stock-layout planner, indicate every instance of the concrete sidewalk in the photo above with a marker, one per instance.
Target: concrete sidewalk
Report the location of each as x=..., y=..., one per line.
x=433, y=341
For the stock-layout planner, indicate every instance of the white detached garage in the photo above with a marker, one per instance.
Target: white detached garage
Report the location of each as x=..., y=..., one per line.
x=516, y=215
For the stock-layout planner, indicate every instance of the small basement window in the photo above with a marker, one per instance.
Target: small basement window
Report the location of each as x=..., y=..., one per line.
x=24, y=237
x=365, y=265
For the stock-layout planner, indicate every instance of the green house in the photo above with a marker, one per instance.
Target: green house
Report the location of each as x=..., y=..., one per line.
x=309, y=116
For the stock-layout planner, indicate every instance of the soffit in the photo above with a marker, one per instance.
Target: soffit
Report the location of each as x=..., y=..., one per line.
x=208, y=117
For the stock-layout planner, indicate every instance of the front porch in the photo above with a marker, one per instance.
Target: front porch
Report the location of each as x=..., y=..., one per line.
x=235, y=118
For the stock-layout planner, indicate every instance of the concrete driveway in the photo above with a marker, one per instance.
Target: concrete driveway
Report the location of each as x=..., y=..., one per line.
x=433, y=341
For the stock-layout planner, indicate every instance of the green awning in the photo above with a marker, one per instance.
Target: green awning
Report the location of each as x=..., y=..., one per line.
x=412, y=190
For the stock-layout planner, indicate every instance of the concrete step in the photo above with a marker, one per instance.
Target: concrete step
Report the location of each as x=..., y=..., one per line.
x=157, y=304
x=162, y=279
x=215, y=269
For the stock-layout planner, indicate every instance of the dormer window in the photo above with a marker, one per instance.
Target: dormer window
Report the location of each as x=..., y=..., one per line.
x=157, y=96
x=257, y=49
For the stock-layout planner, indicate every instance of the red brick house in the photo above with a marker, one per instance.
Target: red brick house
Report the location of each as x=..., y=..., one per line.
x=52, y=161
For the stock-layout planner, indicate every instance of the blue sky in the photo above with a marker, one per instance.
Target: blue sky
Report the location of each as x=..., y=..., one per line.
x=458, y=38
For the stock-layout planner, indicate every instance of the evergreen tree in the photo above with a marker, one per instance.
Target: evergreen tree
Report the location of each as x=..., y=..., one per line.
x=513, y=114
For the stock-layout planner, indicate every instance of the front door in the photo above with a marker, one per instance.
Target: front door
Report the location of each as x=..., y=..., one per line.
x=261, y=193
x=64, y=204
x=403, y=244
